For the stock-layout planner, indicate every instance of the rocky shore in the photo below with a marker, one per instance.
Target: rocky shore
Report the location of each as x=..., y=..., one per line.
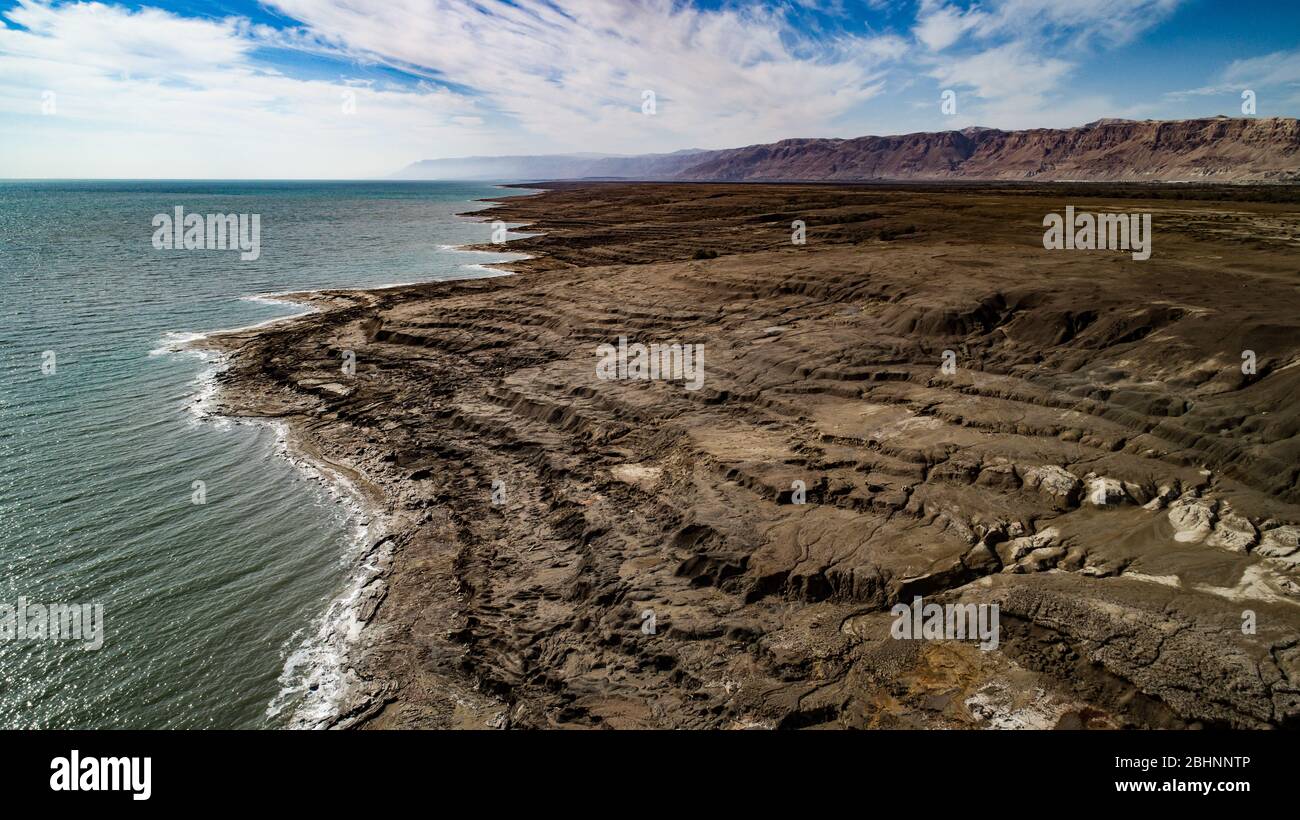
x=964, y=415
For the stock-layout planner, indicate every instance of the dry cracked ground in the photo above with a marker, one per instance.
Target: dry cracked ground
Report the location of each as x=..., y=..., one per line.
x=1098, y=465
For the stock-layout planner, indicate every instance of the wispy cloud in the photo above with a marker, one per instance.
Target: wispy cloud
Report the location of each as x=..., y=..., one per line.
x=567, y=69
x=1278, y=70
x=192, y=93
x=939, y=25
x=1096, y=23
x=345, y=88
x=152, y=94
x=1013, y=59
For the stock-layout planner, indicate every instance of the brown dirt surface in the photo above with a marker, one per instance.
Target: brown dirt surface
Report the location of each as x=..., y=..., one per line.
x=1098, y=465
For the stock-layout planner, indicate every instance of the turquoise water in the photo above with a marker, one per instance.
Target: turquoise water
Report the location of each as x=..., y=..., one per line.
x=204, y=604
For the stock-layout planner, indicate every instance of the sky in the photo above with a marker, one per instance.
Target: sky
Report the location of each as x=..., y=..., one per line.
x=326, y=89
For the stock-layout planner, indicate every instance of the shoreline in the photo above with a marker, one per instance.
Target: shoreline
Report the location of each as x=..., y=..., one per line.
x=313, y=674
x=623, y=497
x=326, y=653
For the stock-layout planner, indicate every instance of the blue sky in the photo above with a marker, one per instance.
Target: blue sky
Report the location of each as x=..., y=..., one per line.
x=343, y=88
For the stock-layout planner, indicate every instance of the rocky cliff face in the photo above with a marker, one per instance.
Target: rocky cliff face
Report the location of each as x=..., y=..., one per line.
x=1217, y=149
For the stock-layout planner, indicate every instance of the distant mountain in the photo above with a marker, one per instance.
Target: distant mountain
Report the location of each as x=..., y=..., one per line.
x=1180, y=150
x=552, y=166
x=1215, y=149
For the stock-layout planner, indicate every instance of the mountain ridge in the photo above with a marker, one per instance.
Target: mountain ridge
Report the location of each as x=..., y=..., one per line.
x=1209, y=149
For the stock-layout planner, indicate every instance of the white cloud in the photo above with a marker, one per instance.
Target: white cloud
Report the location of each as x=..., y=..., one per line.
x=1103, y=23
x=1074, y=23
x=939, y=25
x=1010, y=87
x=151, y=93
x=1012, y=70
x=1014, y=58
x=1278, y=70
x=577, y=70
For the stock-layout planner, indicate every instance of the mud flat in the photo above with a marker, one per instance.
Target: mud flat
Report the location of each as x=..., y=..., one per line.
x=1096, y=462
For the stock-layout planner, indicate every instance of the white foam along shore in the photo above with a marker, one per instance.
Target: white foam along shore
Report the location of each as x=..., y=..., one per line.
x=314, y=682
x=192, y=344
x=312, y=678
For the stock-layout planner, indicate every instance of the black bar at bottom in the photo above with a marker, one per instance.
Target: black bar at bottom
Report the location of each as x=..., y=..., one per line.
x=602, y=771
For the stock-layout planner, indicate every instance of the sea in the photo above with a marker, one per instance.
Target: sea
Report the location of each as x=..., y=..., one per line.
x=215, y=565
